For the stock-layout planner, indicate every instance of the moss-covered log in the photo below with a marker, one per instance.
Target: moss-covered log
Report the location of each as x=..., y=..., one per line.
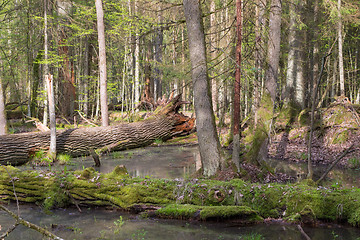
x=195, y=199
x=17, y=149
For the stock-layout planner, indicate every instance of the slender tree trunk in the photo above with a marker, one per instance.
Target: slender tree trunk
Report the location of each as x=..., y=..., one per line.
x=210, y=150
x=86, y=77
x=158, y=61
x=214, y=87
x=2, y=111
x=51, y=95
x=291, y=66
x=237, y=87
x=340, y=44
x=273, y=48
x=46, y=66
x=137, y=66
x=102, y=63
x=259, y=54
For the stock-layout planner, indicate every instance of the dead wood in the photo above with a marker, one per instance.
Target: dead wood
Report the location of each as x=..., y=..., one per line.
x=165, y=123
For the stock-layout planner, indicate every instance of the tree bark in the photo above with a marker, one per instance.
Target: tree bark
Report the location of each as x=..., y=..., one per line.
x=273, y=48
x=237, y=86
x=16, y=149
x=51, y=96
x=46, y=65
x=102, y=63
x=210, y=150
x=340, y=44
x=2, y=111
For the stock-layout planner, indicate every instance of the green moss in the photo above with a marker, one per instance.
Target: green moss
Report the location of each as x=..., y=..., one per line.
x=177, y=211
x=208, y=212
x=341, y=137
x=304, y=117
x=229, y=212
x=88, y=173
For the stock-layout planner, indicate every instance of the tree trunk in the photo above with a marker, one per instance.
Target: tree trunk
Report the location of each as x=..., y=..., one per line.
x=214, y=85
x=273, y=48
x=291, y=66
x=203, y=200
x=17, y=149
x=46, y=66
x=237, y=86
x=2, y=111
x=210, y=150
x=340, y=44
x=102, y=63
x=51, y=96
x=158, y=60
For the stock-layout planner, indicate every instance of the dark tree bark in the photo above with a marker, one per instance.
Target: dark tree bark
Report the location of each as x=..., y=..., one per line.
x=210, y=150
x=17, y=149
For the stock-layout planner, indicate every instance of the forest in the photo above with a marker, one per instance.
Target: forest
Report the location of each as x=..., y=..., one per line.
x=250, y=83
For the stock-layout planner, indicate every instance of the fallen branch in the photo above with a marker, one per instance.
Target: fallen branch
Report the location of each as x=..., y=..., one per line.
x=334, y=163
x=303, y=232
x=86, y=120
x=21, y=221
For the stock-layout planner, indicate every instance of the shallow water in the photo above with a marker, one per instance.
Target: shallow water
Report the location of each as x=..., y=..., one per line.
x=181, y=162
x=166, y=162
x=100, y=224
x=158, y=162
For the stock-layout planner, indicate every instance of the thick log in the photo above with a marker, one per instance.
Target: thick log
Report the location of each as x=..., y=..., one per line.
x=16, y=149
x=197, y=199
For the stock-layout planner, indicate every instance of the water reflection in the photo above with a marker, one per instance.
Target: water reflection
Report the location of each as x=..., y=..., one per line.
x=101, y=224
x=158, y=162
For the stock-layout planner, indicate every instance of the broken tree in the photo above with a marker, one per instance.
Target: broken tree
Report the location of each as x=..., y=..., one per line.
x=165, y=123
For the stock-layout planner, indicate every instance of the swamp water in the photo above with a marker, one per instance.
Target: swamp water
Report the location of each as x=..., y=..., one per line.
x=162, y=162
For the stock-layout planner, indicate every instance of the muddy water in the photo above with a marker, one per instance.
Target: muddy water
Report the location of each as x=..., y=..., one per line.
x=110, y=224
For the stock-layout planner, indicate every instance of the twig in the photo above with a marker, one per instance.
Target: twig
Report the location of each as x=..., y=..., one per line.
x=334, y=163
x=74, y=201
x=29, y=224
x=87, y=120
x=303, y=232
x=12, y=228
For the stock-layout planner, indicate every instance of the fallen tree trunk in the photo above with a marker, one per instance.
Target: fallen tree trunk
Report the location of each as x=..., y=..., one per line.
x=185, y=199
x=16, y=149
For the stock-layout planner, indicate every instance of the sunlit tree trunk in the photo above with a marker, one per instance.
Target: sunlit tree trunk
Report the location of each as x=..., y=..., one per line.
x=291, y=65
x=340, y=44
x=237, y=85
x=102, y=63
x=210, y=150
x=51, y=96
